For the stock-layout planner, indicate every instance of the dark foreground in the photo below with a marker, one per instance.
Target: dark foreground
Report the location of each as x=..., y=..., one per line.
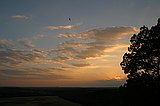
x=49, y=96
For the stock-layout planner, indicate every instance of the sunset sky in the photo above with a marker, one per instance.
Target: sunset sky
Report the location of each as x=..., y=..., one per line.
x=41, y=46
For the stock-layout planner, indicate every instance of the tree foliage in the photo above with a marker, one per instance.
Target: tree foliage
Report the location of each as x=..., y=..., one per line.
x=142, y=61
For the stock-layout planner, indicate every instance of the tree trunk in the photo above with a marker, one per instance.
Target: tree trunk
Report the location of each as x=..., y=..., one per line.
x=158, y=65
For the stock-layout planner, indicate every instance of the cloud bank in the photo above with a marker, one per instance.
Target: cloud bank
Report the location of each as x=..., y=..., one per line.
x=95, y=42
x=74, y=53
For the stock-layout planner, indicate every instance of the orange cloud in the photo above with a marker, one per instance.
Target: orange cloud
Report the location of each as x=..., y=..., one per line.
x=60, y=27
x=51, y=27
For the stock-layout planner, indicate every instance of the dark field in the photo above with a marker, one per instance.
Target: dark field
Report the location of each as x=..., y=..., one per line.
x=49, y=96
x=36, y=101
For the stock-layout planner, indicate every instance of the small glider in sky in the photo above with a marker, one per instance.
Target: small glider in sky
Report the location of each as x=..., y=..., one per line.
x=69, y=19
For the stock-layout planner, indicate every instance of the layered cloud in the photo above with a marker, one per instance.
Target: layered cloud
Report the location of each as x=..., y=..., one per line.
x=104, y=33
x=21, y=58
x=95, y=42
x=4, y=43
x=90, y=44
x=81, y=64
x=11, y=57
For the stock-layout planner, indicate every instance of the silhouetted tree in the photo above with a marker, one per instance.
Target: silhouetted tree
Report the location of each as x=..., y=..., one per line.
x=142, y=62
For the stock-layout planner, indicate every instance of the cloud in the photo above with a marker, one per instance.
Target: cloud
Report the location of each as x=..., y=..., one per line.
x=76, y=52
x=93, y=51
x=39, y=36
x=65, y=50
x=13, y=54
x=11, y=72
x=4, y=43
x=31, y=73
x=93, y=43
x=99, y=40
x=63, y=27
x=76, y=35
x=61, y=59
x=20, y=17
x=12, y=58
x=60, y=27
x=104, y=33
x=27, y=43
x=112, y=33
x=72, y=43
x=58, y=68
x=81, y=64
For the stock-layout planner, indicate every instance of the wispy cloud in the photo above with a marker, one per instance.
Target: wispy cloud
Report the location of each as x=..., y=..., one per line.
x=4, y=43
x=103, y=33
x=61, y=59
x=52, y=27
x=11, y=57
x=39, y=36
x=27, y=43
x=20, y=17
x=108, y=83
x=81, y=64
x=60, y=27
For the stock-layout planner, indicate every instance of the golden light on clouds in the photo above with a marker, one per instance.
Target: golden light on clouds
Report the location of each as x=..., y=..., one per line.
x=84, y=58
x=60, y=27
